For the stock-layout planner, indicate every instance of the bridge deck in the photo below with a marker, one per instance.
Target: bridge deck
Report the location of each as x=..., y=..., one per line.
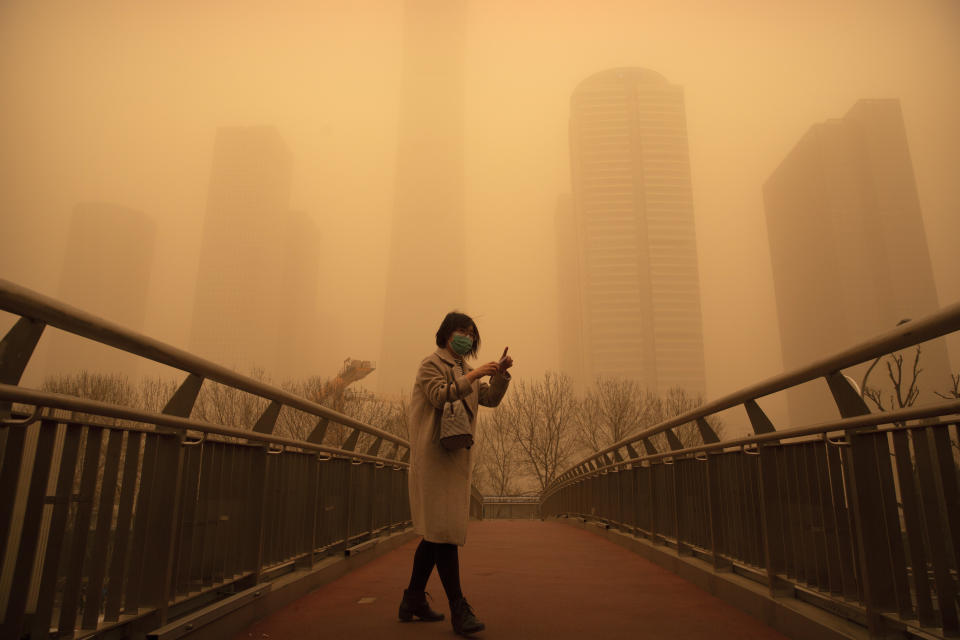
x=526, y=579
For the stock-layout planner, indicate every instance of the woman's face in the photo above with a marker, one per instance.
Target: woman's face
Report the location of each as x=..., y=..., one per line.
x=463, y=333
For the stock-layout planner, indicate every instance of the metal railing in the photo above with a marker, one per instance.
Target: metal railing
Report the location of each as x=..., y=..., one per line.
x=860, y=516
x=511, y=507
x=476, y=504
x=115, y=519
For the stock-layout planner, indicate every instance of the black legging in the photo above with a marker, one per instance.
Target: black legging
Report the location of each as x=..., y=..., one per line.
x=445, y=557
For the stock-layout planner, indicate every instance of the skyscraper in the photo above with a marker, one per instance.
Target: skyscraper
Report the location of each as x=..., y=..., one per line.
x=426, y=268
x=106, y=271
x=239, y=308
x=848, y=247
x=635, y=241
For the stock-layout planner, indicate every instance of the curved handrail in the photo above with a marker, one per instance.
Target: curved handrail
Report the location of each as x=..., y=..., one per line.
x=31, y=304
x=11, y=393
x=943, y=409
x=944, y=321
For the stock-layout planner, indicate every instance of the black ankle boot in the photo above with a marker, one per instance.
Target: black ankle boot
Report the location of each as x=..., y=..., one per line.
x=414, y=603
x=461, y=615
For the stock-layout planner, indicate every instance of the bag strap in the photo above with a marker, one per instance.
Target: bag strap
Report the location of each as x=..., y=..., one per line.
x=451, y=385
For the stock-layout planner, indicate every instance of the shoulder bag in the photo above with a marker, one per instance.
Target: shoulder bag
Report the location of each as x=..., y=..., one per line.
x=455, y=430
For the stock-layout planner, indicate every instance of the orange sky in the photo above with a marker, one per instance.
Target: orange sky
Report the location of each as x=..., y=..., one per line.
x=120, y=101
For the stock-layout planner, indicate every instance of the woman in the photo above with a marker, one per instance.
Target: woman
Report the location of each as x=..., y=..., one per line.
x=440, y=478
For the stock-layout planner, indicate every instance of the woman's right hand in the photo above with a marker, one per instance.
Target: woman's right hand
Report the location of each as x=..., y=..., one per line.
x=489, y=369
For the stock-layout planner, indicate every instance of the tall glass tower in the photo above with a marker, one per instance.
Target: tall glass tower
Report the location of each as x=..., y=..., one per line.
x=635, y=244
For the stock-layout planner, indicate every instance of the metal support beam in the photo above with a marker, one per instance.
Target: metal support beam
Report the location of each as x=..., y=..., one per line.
x=394, y=449
x=673, y=440
x=183, y=399
x=651, y=450
x=319, y=432
x=848, y=400
x=15, y=351
x=758, y=419
x=268, y=419
x=707, y=433
x=351, y=442
x=375, y=447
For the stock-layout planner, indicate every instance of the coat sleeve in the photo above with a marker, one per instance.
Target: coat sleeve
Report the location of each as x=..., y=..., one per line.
x=433, y=379
x=491, y=394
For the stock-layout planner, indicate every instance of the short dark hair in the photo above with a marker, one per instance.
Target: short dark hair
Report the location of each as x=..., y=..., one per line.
x=454, y=321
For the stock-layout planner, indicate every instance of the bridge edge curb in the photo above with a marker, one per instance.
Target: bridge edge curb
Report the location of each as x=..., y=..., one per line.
x=793, y=618
x=286, y=590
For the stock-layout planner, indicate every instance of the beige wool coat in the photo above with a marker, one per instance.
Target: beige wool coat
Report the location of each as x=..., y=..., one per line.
x=439, y=480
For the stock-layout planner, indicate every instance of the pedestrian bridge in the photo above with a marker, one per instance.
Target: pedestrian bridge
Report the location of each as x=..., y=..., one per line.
x=118, y=522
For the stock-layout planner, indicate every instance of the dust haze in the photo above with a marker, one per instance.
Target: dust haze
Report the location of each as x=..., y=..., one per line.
x=121, y=103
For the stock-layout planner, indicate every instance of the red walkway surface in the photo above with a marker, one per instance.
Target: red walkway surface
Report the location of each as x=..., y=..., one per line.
x=525, y=579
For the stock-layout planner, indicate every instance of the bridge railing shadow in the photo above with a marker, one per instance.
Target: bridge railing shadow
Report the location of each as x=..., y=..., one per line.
x=115, y=520
x=860, y=515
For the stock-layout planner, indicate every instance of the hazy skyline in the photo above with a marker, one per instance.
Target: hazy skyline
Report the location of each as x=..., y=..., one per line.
x=117, y=102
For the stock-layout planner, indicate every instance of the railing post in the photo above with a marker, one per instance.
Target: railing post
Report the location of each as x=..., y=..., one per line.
x=173, y=449
x=770, y=516
x=936, y=516
x=315, y=500
x=653, y=504
x=16, y=348
x=682, y=547
x=347, y=504
x=713, y=501
x=261, y=471
x=866, y=500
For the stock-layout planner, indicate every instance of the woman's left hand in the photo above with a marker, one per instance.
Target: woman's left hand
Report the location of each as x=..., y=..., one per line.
x=505, y=362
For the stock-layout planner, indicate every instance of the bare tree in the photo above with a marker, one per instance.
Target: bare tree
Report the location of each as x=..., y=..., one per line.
x=954, y=391
x=300, y=424
x=497, y=457
x=903, y=393
x=220, y=404
x=612, y=409
x=952, y=394
x=153, y=394
x=360, y=404
x=370, y=408
x=542, y=415
x=112, y=388
x=677, y=402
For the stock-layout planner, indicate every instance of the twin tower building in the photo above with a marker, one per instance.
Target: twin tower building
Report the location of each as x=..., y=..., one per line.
x=847, y=243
